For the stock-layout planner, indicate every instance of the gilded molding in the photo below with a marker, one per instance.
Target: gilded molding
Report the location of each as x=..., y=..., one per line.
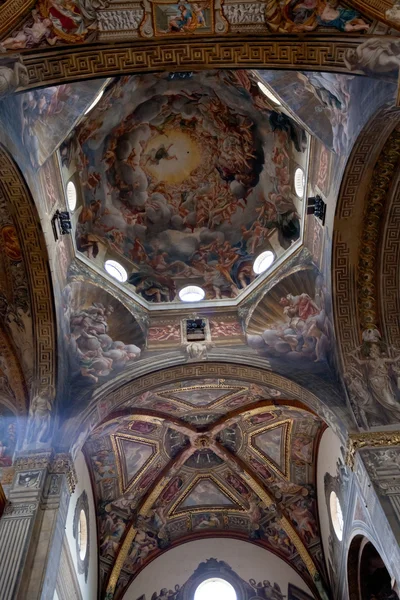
x=370, y=439
x=367, y=263
x=119, y=562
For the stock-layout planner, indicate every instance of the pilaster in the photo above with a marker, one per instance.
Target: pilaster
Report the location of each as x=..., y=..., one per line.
x=32, y=526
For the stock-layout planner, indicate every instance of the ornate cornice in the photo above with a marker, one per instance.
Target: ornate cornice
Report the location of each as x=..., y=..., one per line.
x=369, y=439
x=63, y=464
x=37, y=460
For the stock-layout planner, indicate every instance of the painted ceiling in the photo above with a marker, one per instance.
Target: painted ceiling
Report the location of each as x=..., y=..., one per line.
x=201, y=472
x=185, y=180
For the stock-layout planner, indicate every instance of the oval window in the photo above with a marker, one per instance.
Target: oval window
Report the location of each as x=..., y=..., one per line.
x=116, y=270
x=82, y=535
x=336, y=515
x=263, y=262
x=191, y=293
x=299, y=182
x=71, y=196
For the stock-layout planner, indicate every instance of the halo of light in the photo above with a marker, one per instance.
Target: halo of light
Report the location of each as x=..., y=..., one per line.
x=336, y=515
x=299, y=182
x=95, y=101
x=82, y=535
x=268, y=93
x=116, y=270
x=191, y=293
x=263, y=262
x=71, y=196
x=215, y=589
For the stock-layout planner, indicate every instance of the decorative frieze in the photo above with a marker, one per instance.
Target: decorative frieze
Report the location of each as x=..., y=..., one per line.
x=244, y=13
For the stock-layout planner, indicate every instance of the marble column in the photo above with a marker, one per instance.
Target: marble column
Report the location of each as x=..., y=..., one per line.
x=32, y=526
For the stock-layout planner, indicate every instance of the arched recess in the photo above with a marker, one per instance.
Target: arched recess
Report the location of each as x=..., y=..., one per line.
x=367, y=574
x=29, y=241
x=361, y=234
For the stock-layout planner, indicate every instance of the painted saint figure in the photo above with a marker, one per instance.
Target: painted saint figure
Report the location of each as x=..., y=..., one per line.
x=379, y=384
x=189, y=18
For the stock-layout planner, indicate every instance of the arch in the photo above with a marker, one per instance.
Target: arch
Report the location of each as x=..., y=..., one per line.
x=356, y=193
x=109, y=399
x=369, y=181
x=67, y=64
x=209, y=536
x=17, y=196
x=364, y=583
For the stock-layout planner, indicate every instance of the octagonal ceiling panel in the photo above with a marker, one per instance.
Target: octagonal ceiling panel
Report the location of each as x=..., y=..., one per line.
x=186, y=182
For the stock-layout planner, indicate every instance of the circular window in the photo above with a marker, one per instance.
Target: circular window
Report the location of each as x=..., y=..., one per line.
x=215, y=589
x=95, y=101
x=71, y=196
x=268, y=93
x=116, y=270
x=263, y=262
x=82, y=535
x=299, y=182
x=191, y=293
x=336, y=515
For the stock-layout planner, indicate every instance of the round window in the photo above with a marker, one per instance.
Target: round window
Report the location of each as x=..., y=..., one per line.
x=336, y=515
x=191, y=293
x=215, y=589
x=71, y=196
x=82, y=535
x=116, y=270
x=299, y=182
x=263, y=262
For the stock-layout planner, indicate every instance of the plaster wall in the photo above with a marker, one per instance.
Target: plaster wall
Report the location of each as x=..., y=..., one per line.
x=328, y=455
x=246, y=559
x=88, y=588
